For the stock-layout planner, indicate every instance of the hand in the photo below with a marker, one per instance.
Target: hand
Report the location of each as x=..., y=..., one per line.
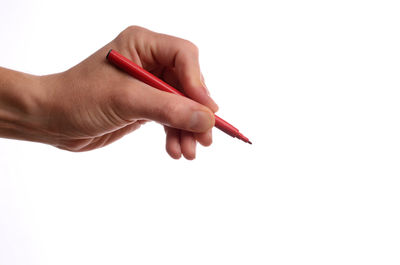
x=94, y=104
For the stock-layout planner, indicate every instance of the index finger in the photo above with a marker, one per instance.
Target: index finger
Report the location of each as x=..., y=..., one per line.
x=183, y=57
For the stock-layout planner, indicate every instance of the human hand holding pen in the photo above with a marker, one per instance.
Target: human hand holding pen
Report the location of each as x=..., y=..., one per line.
x=94, y=104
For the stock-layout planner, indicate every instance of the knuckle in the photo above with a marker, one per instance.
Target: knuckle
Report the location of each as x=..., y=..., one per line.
x=130, y=31
x=190, y=46
x=133, y=28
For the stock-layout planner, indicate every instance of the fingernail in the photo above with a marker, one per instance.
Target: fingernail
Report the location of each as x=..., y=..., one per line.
x=200, y=121
x=203, y=84
x=214, y=105
x=206, y=89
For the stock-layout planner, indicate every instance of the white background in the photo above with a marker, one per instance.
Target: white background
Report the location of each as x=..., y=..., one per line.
x=315, y=86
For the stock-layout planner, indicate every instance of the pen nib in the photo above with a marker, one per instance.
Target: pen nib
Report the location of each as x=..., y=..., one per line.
x=243, y=138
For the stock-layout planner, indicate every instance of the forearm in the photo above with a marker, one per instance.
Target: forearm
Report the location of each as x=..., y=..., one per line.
x=20, y=100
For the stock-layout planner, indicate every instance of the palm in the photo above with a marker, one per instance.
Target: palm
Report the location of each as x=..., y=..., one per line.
x=91, y=143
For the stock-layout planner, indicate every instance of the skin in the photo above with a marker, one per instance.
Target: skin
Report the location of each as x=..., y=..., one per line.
x=94, y=104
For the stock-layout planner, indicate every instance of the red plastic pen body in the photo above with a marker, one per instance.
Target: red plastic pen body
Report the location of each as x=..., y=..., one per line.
x=139, y=73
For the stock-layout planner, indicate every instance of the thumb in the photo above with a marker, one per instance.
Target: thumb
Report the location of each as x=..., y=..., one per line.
x=171, y=110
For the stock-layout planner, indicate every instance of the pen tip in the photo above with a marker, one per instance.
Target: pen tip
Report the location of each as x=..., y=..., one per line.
x=243, y=138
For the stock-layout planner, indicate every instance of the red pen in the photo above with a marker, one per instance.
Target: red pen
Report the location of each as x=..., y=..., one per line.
x=139, y=73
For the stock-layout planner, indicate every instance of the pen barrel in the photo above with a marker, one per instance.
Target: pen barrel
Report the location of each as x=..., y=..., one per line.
x=139, y=73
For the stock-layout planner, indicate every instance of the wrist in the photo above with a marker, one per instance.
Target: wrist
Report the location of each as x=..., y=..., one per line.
x=21, y=99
